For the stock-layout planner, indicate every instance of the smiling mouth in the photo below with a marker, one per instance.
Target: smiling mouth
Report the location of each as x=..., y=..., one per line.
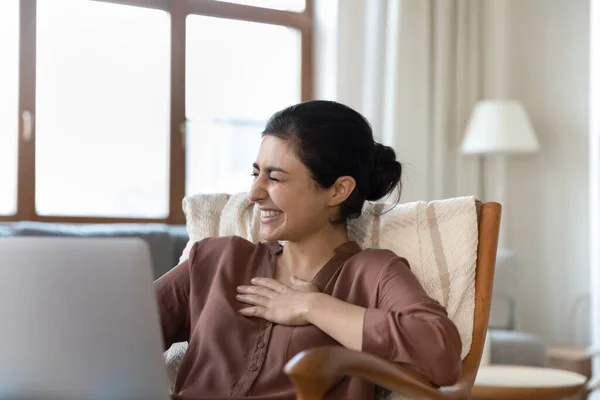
x=267, y=215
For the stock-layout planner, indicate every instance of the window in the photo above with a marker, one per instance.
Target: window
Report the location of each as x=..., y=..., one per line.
x=260, y=73
x=114, y=110
x=102, y=102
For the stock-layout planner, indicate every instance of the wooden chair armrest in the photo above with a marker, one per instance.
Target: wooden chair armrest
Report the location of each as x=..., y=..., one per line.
x=315, y=371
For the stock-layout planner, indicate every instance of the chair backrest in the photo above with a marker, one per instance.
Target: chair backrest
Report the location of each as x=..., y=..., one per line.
x=438, y=238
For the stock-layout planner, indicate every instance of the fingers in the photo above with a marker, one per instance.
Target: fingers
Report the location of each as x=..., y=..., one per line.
x=258, y=312
x=270, y=283
x=258, y=290
x=253, y=299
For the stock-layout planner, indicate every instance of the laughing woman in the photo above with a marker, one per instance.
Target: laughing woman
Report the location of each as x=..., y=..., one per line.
x=247, y=308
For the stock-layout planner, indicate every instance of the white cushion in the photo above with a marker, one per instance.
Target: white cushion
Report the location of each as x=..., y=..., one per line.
x=521, y=376
x=173, y=357
x=439, y=239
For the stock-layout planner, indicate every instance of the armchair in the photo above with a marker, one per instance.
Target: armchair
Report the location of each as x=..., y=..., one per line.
x=468, y=231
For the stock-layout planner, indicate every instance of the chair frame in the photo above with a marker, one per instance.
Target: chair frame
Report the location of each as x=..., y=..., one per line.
x=315, y=371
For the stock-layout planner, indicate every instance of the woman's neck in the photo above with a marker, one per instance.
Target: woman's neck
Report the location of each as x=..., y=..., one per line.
x=305, y=258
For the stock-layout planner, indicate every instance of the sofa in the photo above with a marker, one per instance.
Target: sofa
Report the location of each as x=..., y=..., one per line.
x=508, y=345
x=166, y=242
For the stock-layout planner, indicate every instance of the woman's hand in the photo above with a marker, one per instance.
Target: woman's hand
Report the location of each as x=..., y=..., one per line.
x=276, y=302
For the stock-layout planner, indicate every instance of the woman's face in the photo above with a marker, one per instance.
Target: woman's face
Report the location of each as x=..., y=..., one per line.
x=292, y=206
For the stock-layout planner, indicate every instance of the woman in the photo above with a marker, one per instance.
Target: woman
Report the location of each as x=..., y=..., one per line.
x=246, y=308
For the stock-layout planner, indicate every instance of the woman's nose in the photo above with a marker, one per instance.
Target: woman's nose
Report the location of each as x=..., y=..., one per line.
x=257, y=191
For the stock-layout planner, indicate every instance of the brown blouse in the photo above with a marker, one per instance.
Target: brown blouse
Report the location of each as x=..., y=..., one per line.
x=232, y=356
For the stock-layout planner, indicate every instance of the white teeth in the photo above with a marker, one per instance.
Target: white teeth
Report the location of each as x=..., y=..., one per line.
x=270, y=213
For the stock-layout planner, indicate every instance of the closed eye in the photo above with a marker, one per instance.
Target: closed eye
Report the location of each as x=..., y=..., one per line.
x=255, y=175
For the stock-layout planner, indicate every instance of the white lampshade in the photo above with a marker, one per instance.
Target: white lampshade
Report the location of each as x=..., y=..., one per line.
x=501, y=127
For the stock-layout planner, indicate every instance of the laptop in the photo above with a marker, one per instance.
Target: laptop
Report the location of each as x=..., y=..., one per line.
x=79, y=320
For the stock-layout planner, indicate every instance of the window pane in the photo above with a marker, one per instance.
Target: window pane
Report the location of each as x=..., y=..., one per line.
x=9, y=106
x=230, y=95
x=220, y=154
x=102, y=110
x=288, y=5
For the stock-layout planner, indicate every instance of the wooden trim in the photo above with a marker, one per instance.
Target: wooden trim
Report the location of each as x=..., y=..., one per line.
x=489, y=228
x=309, y=9
x=156, y=4
x=178, y=118
x=9, y=218
x=307, y=59
x=27, y=82
x=221, y=9
x=307, y=67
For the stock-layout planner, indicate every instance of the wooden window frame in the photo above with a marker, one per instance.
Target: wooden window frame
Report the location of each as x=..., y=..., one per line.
x=179, y=10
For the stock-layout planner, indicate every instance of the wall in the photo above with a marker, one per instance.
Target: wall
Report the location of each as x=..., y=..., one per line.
x=548, y=56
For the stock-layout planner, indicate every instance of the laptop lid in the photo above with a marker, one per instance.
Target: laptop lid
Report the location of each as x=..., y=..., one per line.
x=79, y=320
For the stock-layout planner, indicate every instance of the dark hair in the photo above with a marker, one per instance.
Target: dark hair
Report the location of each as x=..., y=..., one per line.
x=333, y=140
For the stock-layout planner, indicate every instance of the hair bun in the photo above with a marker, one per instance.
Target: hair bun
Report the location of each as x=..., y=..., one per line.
x=386, y=174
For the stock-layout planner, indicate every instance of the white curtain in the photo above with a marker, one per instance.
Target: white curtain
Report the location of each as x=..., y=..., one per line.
x=433, y=82
x=594, y=149
x=413, y=67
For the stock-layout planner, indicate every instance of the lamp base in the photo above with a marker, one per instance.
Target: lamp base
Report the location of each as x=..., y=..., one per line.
x=494, y=189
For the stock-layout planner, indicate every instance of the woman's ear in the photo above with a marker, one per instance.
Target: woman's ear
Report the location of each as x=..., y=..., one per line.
x=342, y=189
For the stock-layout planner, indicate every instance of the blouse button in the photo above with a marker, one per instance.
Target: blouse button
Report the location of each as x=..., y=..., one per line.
x=254, y=368
x=261, y=345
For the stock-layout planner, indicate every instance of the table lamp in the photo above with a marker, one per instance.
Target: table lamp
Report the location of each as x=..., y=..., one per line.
x=498, y=128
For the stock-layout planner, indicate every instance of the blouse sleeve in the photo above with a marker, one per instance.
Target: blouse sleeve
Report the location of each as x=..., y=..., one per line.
x=409, y=328
x=173, y=296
